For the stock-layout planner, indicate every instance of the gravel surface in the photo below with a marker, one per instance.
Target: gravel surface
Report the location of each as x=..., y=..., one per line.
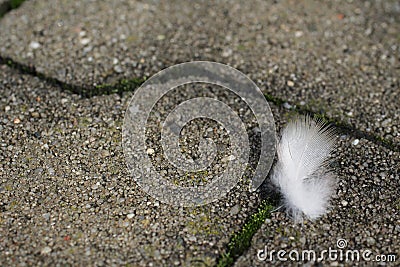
x=67, y=197
x=341, y=58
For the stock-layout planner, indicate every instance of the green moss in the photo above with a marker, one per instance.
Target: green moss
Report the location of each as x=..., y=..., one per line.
x=16, y=3
x=275, y=100
x=123, y=85
x=241, y=241
x=7, y=6
x=119, y=87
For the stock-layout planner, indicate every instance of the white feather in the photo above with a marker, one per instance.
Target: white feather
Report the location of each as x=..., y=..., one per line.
x=301, y=172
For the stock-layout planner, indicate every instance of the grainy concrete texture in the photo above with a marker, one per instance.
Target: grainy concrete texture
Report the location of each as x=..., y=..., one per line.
x=66, y=196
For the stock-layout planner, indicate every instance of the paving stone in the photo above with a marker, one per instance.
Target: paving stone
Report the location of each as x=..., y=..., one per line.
x=341, y=59
x=67, y=197
x=365, y=213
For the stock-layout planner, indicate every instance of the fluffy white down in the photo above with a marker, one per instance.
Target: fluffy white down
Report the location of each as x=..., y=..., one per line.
x=301, y=171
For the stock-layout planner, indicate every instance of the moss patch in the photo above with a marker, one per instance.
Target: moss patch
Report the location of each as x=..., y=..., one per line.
x=16, y=3
x=121, y=86
x=7, y=6
x=241, y=241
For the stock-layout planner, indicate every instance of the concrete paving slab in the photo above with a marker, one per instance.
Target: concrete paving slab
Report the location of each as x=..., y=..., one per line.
x=365, y=214
x=67, y=197
x=341, y=59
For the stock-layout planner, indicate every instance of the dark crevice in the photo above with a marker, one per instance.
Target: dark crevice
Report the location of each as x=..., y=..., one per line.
x=341, y=126
x=7, y=6
x=240, y=242
x=121, y=86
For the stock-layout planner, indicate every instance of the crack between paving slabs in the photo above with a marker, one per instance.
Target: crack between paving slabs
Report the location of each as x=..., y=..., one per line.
x=124, y=85
x=7, y=6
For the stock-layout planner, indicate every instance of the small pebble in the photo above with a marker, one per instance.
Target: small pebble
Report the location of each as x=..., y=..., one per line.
x=157, y=255
x=118, y=69
x=34, y=45
x=105, y=153
x=287, y=105
x=37, y=134
x=51, y=171
x=290, y=83
x=192, y=238
x=371, y=241
x=355, y=142
x=85, y=41
x=298, y=34
x=227, y=52
x=228, y=158
x=95, y=186
x=35, y=114
x=234, y=210
x=45, y=250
